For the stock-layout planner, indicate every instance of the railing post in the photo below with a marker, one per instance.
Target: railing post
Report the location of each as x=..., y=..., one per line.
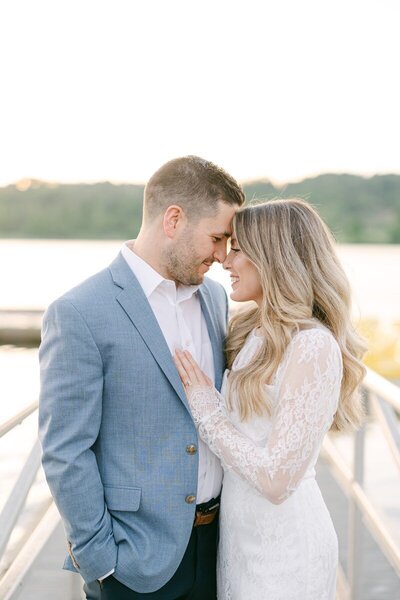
x=355, y=519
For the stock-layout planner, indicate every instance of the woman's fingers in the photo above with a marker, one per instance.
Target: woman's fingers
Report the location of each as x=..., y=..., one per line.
x=189, y=371
x=194, y=370
x=185, y=370
x=189, y=367
x=181, y=370
x=201, y=376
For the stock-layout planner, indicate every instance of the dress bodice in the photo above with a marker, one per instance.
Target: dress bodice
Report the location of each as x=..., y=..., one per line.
x=258, y=427
x=275, y=452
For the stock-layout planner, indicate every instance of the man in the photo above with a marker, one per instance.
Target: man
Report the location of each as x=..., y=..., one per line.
x=136, y=489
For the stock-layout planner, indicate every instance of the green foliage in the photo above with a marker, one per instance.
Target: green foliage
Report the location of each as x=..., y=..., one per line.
x=357, y=209
x=98, y=211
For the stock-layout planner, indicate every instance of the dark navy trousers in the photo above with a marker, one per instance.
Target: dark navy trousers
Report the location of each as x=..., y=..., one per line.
x=195, y=578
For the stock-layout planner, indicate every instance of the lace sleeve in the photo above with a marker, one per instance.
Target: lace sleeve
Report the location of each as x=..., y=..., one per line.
x=308, y=391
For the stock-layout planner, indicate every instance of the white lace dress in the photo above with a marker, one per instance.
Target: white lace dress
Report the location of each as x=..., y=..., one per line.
x=277, y=540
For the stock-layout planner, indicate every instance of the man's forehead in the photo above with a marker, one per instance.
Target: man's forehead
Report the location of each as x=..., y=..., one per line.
x=219, y=228
x=221, y=224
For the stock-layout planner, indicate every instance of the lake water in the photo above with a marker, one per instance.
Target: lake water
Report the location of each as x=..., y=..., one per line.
x=34, y=272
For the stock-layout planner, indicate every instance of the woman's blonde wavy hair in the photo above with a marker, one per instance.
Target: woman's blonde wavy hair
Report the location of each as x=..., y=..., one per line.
x=302, y=280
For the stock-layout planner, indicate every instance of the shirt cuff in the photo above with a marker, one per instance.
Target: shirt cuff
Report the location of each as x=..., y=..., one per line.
x=106, y=575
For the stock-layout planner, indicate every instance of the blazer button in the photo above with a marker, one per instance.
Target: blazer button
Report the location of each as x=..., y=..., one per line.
x=191, y=449
x=190, y=499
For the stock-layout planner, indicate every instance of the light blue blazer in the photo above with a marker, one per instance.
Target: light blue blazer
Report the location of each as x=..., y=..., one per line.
x=114, y=424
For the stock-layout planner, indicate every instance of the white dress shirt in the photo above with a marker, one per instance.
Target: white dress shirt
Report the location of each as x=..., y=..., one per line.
x=178, y=312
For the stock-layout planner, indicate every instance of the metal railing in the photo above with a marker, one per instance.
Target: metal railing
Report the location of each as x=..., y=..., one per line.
x=16, y=500
x=40, y=532
x=382, y=400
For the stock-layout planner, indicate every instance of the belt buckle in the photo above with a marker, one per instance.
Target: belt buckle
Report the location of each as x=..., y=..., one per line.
x=210, y=508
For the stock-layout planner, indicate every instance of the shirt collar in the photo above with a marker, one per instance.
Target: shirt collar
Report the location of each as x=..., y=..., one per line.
x=150, y=279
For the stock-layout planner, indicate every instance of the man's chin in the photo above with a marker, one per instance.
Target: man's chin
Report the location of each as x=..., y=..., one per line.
x=194, y=280
x=190, y=277
x=186, y=281
x=197, y=280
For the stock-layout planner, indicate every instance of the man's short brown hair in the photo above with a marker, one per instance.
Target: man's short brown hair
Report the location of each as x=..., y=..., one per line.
x=194, y=184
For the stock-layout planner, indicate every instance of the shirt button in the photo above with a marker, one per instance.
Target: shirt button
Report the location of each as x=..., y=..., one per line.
x=190, y=499
x=191, y=449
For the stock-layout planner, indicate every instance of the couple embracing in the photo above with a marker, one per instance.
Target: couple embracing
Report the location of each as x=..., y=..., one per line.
x=181, y=455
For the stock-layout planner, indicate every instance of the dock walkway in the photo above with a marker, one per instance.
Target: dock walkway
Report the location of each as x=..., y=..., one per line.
x=47, y=581
x=359, y=481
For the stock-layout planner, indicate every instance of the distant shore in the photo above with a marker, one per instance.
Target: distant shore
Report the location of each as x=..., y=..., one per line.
x=20, y=327
x=357, y=209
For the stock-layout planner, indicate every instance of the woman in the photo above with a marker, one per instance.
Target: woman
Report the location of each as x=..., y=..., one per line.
x=294, y=368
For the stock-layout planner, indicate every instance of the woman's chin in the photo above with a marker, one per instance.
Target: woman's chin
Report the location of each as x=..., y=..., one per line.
x=235, y=296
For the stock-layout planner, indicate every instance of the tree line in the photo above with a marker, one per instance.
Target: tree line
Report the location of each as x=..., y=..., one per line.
x=357, y=209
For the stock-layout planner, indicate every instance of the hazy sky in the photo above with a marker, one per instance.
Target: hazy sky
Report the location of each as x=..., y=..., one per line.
x=95, y=90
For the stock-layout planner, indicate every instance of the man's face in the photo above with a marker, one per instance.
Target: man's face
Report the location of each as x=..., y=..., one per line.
x=199, y=245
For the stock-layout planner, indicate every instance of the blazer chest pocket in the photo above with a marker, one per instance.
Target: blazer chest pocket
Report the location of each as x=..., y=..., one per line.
x=122, y=498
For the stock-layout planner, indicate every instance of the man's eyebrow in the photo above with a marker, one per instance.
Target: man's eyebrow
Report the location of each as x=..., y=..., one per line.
x=226, y=234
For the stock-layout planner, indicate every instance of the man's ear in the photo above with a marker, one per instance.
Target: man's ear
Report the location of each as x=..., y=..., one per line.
x=174, y=219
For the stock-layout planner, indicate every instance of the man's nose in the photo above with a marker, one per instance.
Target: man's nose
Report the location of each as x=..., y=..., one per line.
x=220, y=254
x=227, y=263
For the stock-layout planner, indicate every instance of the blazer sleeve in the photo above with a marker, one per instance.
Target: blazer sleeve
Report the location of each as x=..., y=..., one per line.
x=70, y=411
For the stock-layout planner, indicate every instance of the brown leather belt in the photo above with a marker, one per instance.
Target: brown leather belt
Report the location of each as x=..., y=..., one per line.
x=206, y=517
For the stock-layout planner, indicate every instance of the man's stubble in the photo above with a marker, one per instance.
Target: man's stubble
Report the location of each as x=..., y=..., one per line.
x=182, y=262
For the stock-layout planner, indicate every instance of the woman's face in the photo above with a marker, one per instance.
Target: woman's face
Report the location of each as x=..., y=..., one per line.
x=245, y=278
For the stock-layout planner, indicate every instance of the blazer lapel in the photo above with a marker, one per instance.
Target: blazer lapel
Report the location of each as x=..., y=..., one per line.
x=133, y=301
x=209, y=315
